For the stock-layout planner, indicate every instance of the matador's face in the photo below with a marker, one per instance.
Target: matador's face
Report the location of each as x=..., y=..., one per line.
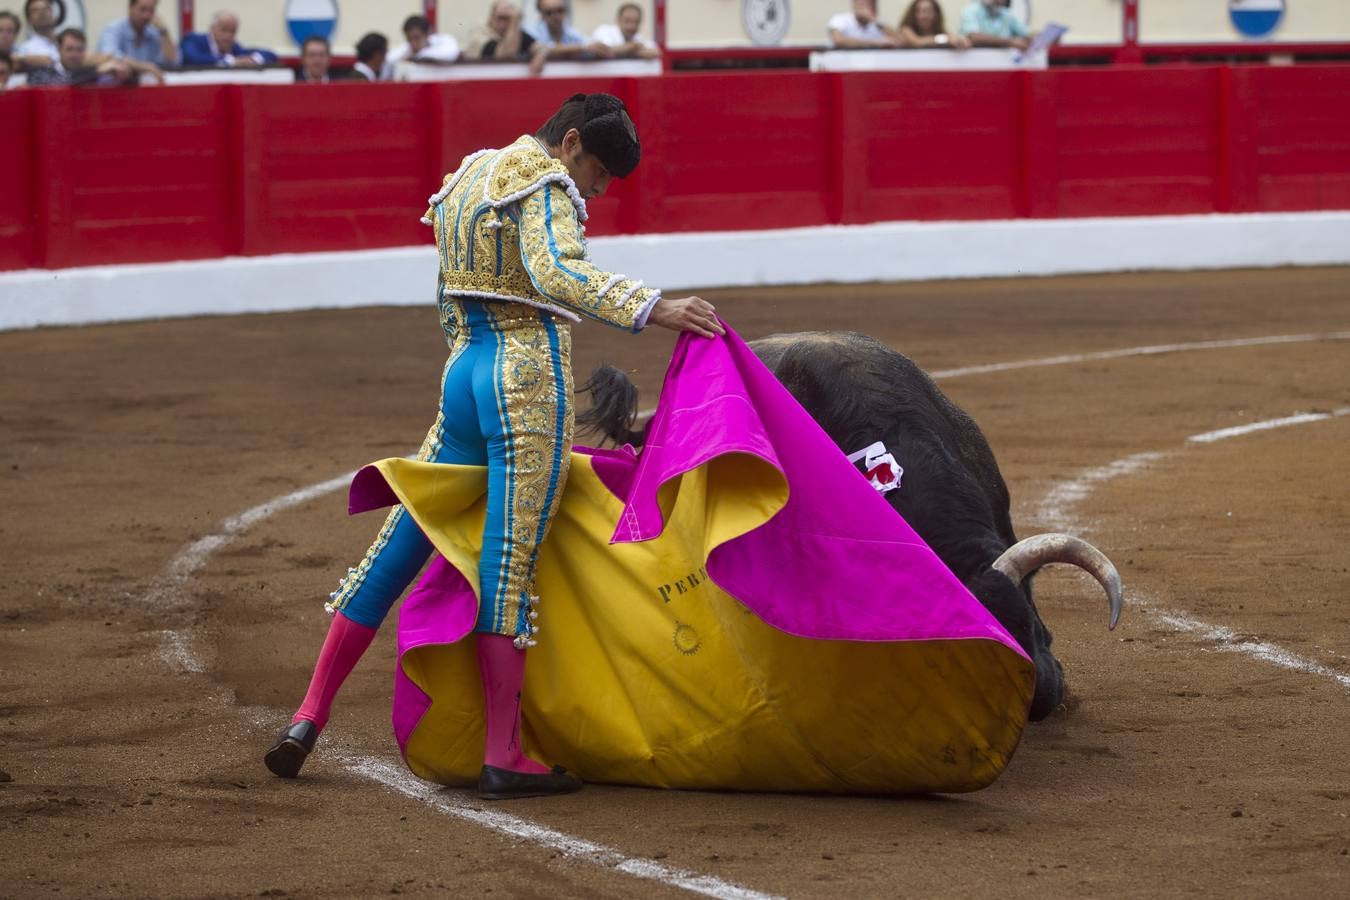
x=587, y=172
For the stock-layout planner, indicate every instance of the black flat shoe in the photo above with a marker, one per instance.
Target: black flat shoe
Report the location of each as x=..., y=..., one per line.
x=287, y=755
x=503, y=784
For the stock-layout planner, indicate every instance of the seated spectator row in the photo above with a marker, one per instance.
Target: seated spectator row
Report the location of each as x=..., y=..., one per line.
x=984, y=23
x=141, y=46
x=505, y=38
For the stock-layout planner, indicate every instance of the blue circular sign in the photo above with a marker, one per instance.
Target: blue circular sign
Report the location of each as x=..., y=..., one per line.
x=311, y=18
x=1255, y=18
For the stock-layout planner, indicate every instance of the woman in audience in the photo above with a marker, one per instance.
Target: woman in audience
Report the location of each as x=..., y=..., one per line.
x=922, y=26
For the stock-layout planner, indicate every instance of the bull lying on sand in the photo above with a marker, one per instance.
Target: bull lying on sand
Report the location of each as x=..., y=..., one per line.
x=953, y=495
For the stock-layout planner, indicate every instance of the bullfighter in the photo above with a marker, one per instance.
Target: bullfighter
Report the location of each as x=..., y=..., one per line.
x=513, y=276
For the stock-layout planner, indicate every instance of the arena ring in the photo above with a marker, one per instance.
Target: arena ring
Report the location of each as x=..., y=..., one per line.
x=164, y=607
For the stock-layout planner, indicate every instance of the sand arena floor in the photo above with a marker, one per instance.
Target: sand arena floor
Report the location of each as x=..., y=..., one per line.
x=152, y=638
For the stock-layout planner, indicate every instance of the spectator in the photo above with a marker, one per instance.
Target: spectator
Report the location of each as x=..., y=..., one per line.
x=622, y=37
x=73, y=68
x=6, y=68
x=988, y=23
x=9, y=31
x=10, y=26
x=371, y=53
x=141, y=36
x=41, y=41
x=922, y=25
x=217, y=47
x=423, y=45
x=315, y=58
x=552, y=30
x=860, y=28
x=507, y=40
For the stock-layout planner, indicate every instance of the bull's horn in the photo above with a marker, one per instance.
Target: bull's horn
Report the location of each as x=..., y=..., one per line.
x=1026, y=556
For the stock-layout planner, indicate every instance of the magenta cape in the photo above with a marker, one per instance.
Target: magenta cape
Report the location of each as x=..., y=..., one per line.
x=734, y=607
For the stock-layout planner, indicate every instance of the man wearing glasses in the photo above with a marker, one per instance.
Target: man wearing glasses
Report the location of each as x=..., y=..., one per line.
x=562, y=40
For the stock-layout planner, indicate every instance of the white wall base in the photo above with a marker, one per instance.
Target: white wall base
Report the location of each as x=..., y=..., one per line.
x=894, y=251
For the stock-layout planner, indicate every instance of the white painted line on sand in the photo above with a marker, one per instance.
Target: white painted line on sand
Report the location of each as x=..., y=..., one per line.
x=1053, y=510
x=192, y=557
x=176, y=644
x=1152, y=350
x=1054, y=513
x=1210, y=437
x=175, y=648
x=458, y=806
x=1230, y=641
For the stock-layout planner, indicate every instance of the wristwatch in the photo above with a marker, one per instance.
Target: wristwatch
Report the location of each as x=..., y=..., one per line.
x=941, y=39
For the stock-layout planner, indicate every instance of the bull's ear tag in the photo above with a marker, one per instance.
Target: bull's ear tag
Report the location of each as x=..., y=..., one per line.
x=879, y=467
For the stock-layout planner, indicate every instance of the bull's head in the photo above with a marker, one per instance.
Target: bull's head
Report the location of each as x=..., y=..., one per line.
x=1003, y=591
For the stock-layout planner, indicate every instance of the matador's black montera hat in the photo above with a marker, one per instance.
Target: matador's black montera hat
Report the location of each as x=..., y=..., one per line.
x=608, y=132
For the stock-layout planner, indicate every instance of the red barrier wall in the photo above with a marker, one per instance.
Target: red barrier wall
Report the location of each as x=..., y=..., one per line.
x=114, y=176
x=19, y=180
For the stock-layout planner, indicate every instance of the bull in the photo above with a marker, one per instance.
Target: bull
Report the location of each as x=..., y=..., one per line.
x=861, y=391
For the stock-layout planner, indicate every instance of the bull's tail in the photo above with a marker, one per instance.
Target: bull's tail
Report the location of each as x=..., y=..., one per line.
x=614, y=407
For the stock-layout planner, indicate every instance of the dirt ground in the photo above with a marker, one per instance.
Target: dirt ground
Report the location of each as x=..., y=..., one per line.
x=142, y=677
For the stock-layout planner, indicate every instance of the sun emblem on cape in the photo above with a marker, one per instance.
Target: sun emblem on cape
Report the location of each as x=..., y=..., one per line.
x=686, y=639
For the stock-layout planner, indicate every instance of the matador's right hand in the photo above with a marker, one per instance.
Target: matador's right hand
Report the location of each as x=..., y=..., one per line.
x=686, y=314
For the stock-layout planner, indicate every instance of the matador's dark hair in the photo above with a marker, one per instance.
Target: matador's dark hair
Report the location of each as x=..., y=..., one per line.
x=605, y=128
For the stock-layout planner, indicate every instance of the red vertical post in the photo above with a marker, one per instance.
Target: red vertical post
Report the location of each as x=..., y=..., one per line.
x=1129, y=51
x=429, y=10
x=54, y=143
x=450, y=149
x=435, y=120
x=187, y=18
x=848, y=101
x=1039, y=170
x=659, y=31
x=649, y=206
x=248, y=193
x=1237, y=188
x=32, y=254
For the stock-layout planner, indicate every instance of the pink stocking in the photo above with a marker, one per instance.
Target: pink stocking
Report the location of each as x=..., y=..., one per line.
x=346, y=642
x=503, y=669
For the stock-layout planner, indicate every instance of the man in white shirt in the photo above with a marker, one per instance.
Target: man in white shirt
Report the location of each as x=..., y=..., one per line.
x=860, y=29
x=41, y=40
x=423, y=45
x=622, y=38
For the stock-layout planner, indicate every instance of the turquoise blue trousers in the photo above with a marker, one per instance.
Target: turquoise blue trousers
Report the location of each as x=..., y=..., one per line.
x=506, y=403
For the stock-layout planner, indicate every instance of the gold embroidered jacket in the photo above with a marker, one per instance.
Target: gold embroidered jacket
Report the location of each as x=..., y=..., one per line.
x=509, y=227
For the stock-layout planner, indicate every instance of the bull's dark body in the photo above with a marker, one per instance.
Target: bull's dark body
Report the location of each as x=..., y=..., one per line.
x=952, y=492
